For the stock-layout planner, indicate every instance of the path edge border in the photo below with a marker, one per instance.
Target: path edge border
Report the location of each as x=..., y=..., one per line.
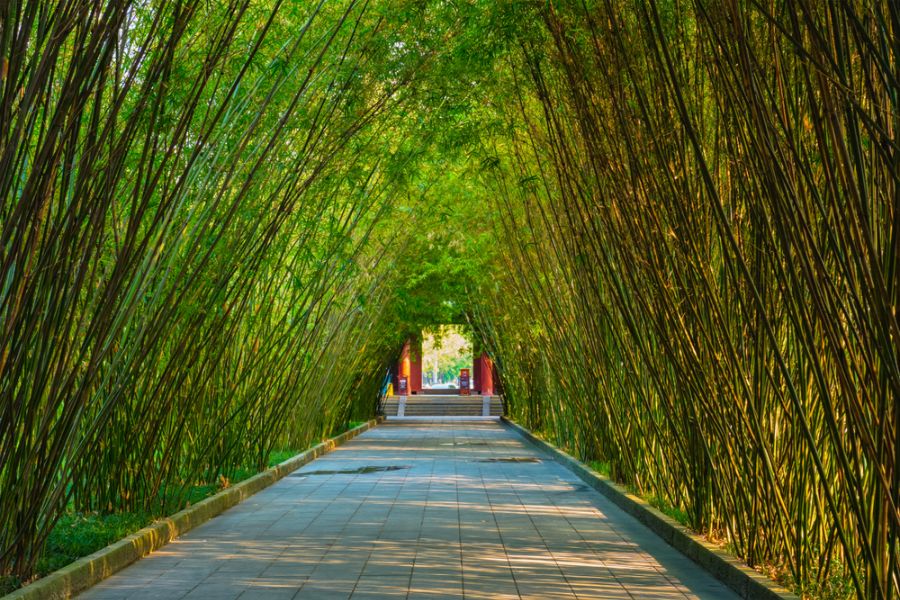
x=94, y=568
x=746, y=582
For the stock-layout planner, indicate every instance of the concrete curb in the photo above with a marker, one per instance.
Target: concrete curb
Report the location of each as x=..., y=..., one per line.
x=87, y=571
x=746, y=582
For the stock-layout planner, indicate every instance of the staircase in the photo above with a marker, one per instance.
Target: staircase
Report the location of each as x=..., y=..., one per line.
x=442, y=406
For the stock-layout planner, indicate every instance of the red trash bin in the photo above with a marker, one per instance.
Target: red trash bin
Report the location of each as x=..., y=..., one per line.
x=464, y=382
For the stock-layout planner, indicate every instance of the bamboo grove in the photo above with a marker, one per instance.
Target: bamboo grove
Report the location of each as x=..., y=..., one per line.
x=674, y=225
x=701, y=202
x=186, y=204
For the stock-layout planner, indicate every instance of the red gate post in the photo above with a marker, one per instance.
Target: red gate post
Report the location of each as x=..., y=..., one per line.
x=415, y=364
x=484, y=371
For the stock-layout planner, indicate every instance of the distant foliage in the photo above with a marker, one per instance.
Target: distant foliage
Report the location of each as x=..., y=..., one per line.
x=445, y=350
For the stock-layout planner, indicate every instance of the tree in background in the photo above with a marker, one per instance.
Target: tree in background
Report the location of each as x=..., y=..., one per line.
x=445, y=350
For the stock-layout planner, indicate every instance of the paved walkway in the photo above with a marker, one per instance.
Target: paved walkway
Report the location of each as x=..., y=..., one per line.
x=420, y=510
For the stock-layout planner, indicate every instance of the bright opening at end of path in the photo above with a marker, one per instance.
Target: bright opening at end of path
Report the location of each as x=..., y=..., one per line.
x=446, y=350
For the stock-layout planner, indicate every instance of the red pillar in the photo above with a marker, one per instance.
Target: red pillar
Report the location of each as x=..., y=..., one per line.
x=415, y=364
x=484, y=374
x=409, y=365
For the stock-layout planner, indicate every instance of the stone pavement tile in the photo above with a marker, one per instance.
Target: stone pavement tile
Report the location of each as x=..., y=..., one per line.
x=545, y=593
x=156, y=593
x=546, y=584
x=382, y=584
x=450, y=584
x=280, y=575
x=480, y=594
x=434, y=594
x=650, y=586
x=272, y=589
x=327, y=588
x=197, y=564
x=400, y=534
x=484, y=536
x=602, y=586
x=442, y=539
x=373, y=569
x=177, y=580
x=268, y=594
x=214, y=591
x=488, y=554
x=487, y=570
x=161, y=563
x=490, y=587
x=426, y=565
x=321, y=592
x=337, y=571
x=243, y=568
x=108, y=594
x=436, y=569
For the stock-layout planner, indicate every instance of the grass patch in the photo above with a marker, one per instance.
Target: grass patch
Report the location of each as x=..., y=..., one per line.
x=667, y=509
x=600, y=466
x=77, y=535
x=837, y=586
x=9, y=584
x=279, y=456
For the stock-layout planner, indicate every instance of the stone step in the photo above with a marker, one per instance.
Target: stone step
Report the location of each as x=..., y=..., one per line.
x=442, y=406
